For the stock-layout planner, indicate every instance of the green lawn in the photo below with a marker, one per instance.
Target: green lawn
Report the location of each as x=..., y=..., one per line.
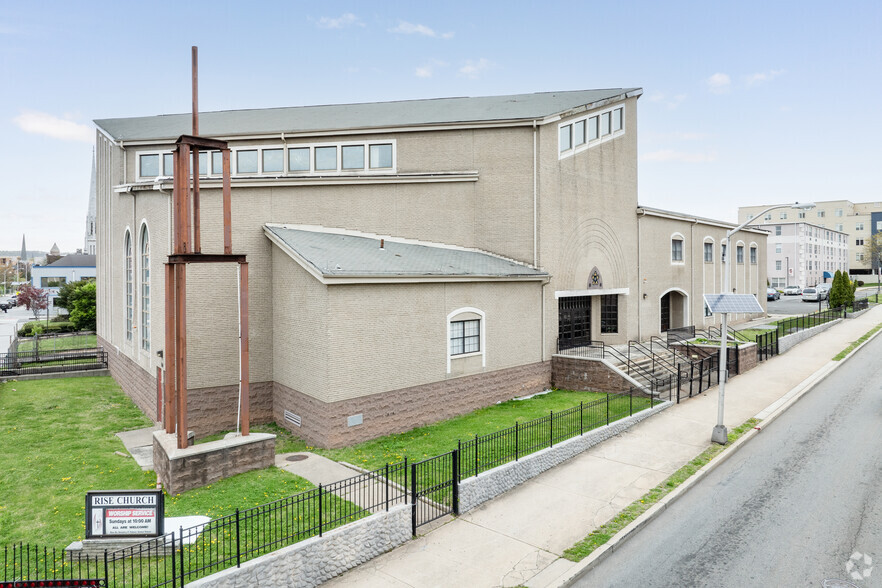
x=58, y=440
x=48, y=344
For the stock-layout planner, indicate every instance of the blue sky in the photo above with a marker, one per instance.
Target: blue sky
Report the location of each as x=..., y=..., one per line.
x=744, y=102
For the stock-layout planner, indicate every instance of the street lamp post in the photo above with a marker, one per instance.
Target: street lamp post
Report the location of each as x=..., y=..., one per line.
x=720, y=433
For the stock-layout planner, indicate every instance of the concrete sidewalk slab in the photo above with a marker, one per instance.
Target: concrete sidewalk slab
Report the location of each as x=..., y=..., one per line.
x=314, y=468
x=139, y=444
x=493, y=544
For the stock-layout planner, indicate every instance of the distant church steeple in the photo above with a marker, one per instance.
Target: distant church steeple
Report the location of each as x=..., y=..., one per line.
x=89, y=248
x=24, y=251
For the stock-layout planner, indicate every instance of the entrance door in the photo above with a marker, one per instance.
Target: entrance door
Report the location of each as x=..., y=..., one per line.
x=573, y=321
x=666, y=312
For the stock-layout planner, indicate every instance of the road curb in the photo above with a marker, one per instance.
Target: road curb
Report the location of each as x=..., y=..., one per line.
x=767, y=416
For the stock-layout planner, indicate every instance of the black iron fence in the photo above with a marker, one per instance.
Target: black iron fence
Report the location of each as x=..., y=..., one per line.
x=698, y=375
x=25, y=564
x=42, y=362
x=860, y=304
x=807, y=321
x=766, y=345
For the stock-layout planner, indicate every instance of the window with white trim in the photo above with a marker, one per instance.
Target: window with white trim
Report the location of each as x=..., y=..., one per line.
x=465, y=336
x=708, y=252
x=858, y=226
x=777, y=267
x=739, y=254
x=753, y=255
x=777, y=230
x=778, y=247
x=145, y=289
x=129, y=285
x=676, y=250
x=591, y=130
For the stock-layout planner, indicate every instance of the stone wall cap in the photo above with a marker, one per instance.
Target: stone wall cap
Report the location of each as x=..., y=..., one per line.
x=168, y=441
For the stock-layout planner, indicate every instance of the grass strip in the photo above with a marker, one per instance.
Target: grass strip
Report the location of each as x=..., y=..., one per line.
x=841, y=355
x=604, y=533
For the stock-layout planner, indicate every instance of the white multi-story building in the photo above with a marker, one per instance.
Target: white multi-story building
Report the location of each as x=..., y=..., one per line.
x=805, y=254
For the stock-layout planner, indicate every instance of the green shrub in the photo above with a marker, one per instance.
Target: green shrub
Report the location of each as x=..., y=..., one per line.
x=860, y=283
x=39, y=327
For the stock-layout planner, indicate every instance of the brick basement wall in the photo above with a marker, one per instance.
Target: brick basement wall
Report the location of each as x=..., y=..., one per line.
x=580, y=373
x=180, y=470
x=325, y=424
x=747, y=359
x=137, y=383
x=213, y=410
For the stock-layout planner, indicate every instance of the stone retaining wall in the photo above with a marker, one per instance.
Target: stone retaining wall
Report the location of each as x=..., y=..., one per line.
x=787, y=343
x=318, y=559
x=582, y=373
x=481, y=488
x=180, y=470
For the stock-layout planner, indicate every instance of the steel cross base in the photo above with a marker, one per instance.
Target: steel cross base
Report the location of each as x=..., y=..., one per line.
x=720, y=435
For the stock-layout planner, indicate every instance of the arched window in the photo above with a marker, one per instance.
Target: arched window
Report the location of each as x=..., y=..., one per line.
x=129, y=287
x=145, y=289
x=466, y=335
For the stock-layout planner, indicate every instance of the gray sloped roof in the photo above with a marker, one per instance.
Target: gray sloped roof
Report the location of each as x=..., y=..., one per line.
x=333, y=253
x=369, y=115
x=74, y=260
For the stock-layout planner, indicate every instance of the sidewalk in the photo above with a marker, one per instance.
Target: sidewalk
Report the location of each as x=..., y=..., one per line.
x=517, y=539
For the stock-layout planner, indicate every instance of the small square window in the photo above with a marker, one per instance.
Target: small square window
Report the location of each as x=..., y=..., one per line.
x=566, y=138
x=217, y=163
x=801, y=215
x=168, y=164
x=273, y=160
x=579, y=133
x=465, y=337
x=326, y=158
x=246, y=161
x=298, y=159
x=353, y=157
x=381, y=156
x=149, y=166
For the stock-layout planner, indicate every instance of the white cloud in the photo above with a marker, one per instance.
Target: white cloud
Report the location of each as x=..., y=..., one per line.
x=408, y=28
x=347, y=19
x=671, y=102
x=472, y=69
x=719, y=83
x=427, y=70
x=42, y=123
x=765, y=76
x=666, y=155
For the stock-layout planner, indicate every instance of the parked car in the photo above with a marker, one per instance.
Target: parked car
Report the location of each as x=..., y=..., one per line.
x=811, y=295
x=792, y=291
x=824, y=290
x=772, y=294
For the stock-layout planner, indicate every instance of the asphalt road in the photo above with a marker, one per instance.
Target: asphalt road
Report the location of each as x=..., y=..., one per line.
x=793, y=305
x=791, y=508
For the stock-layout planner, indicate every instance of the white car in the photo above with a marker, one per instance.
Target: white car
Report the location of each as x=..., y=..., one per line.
x=811, y=295
x=792, y=291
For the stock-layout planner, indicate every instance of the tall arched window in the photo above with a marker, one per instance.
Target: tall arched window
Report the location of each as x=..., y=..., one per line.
x=129, y=287
x=145, y=289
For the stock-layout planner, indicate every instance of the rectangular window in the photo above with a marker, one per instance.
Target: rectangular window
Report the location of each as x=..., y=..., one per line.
x=777, y=267
x=838, y=212
x=326, y=159
x=381, y=156
x=858, y=242
x=609, y=313
x=777, y=248
x=273, y=160
x=617, y=120
x=708, y=252
x=723, y=252
x=839, y=227
x=783, y=216
x=859, y=256
x=739, y=254
x=353, y=156
x=465, y=337
x=859, y=226
x=768, y=216
x=149, y=166
x=168, y=164
x=566, y=139
x=822, y=213
x=801, y=215
x=676, y=250
x=605, y=124
x=217, y=163
x=246, y=161
x=579, y=133
x=298, y=159
x=878, y=226
x=777, y=230
x=52, y=282
x=203, y=163
x=753, y=255
x=593, y=128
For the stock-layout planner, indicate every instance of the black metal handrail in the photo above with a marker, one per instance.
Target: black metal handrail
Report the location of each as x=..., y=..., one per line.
x=665, y=363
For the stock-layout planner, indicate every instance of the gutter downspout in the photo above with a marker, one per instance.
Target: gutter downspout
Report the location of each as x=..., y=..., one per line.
x=640, y=213
x=692, y=271
x=535, y=199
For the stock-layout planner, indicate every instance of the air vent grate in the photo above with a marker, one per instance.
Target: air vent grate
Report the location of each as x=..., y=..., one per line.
x=292, y=418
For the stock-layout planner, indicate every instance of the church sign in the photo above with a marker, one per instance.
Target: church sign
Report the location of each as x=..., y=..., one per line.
x=124, y=513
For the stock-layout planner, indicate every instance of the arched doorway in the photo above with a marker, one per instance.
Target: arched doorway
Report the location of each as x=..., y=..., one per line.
x=673, y=310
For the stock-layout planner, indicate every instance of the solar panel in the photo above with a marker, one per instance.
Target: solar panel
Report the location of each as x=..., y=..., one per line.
x=741, y=303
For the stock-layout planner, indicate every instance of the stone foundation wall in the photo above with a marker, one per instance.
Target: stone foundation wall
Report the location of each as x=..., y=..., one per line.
x=318, y=559
x=787, y=343
x=479, y=489
x=747, y=358
x=137, y=383
x=180, y=470
x=580, y=373
x=328, y=424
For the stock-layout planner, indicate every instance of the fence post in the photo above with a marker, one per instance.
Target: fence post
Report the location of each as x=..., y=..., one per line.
x=551, y=428
x=181, y=538
x=581, y=418
x=476, y=455
x=238, y=546
x=320, y=509
x=456, y=482
x=387, y=486
x=516, y=440
x=106, y=574
x=174, y=564
x=413, y=498
x=631, y=402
